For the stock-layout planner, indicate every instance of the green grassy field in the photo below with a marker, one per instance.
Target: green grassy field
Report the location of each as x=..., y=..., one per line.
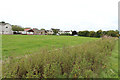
x=78, y=57
x=17, y=45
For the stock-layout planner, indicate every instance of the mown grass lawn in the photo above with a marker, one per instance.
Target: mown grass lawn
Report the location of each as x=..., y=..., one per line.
x=18, y=45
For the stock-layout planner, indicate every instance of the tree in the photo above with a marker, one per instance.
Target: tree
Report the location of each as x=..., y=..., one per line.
x=42, y=29
x=104, y=32
x=113, y=33
x=80, y=33
x=92, y=33
x=99, y=33
x=74, y=33
x=2, y=22
x=55, y=30
x=117, y=33
x=17, y=28
x=86, y=33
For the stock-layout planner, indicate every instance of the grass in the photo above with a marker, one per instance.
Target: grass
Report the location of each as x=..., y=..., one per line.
x=114, y=62
x=112, y=67
x=19, y=45
x=94, y=59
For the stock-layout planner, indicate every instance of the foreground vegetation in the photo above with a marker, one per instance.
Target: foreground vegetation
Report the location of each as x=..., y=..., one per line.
x=19, y=45
x=88, y=60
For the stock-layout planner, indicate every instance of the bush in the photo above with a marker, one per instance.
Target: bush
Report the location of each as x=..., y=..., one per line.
x=68, y=34
x=83, y=61
x=99, y=33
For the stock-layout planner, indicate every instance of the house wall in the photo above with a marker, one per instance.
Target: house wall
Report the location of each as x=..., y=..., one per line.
x=5, y=28
x=50, y=32
x=24, y=32
x=27, y=33
x=42, y=32
x=36, y=32
x=69, y=32
x=61, y=32
x=0, y=29
x=31, y=33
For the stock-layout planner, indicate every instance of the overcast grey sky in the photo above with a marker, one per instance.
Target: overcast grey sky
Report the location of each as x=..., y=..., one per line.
x=62, y=14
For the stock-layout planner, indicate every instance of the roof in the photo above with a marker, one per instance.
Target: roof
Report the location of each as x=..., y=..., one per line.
x=3, y=23
x=30, y=30
x=67, y=31
x=26, y=29
x=35, y=28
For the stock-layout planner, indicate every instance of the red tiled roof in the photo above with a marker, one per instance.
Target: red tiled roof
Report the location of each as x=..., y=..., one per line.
x=26, y=29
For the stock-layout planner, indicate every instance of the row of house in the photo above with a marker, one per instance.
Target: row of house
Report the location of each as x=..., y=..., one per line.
x=34, y=31
x=6, y=28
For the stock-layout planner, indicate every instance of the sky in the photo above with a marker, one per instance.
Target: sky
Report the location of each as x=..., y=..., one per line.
x=62, y=14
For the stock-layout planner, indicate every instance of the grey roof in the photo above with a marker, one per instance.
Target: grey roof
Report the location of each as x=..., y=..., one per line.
x=1, y=23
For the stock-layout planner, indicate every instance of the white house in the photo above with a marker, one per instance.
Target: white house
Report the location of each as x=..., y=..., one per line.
x=61, y=32
x=28, y=31
x=69, y=32
x=5, y=28
x=50, y=32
